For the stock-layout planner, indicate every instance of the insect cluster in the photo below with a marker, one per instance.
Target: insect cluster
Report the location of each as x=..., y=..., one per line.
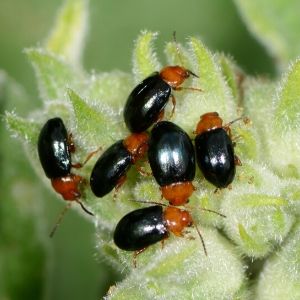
x=171, y=155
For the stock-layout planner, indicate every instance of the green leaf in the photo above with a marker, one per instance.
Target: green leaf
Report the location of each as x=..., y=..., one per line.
x=145, y=60
x=22, y=268
x=274, y=24
x=246, y=145
x=68, y=33
x=180, y=270
x=24, y=129
x=262, y=201
x=216, y=96
x=291, y=191
x=233, y=76
x=256, y=221
x=53, y=74
x=95, y=125
x=110, y=89
x=282, y=131
x=249, y=242
x=287, y=112
x=280, y=276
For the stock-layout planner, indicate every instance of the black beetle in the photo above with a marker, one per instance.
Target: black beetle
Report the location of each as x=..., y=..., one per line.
x=172, y=159
x=146, y=226
x=145, y=104
x=54, y=149
x=55, y=146
x=110, y=170
x=215, y=150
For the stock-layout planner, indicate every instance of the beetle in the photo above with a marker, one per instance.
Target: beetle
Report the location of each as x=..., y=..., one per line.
x=55, y=146
x=145, y=104
x=110, y=169
x=215, y=150
x=172, y=160
x=146, y=226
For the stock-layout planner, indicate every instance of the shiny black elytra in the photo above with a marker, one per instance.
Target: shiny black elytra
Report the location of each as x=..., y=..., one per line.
x=172, y=159
x=215, y=151
x=110, y=167
x=140, y=229
x=145, y=103
x=215, y=157
x=110, y=170
x=53, y=149
x=171, y=154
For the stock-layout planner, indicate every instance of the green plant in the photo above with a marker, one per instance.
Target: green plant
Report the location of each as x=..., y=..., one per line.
x=261, y=208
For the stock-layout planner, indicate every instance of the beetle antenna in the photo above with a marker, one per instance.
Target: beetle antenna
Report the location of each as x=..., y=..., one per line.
x=177, y=48
x=193, y=74
x=213, y=211
x=59, y=219
x=201, y=238
x=84, y=208
x=246, y=120
x=180, y=56
x=191, y=207
x=151, y=202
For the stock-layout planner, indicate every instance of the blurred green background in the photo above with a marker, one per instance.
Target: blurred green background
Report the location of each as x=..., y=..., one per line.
x=66, y=267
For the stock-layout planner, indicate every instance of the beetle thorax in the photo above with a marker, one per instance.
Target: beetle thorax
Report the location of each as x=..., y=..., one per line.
x=209, y=121
x=174, y=75
x=137, y=145
x=178, y=193
x=67, y=186
x=177, y=220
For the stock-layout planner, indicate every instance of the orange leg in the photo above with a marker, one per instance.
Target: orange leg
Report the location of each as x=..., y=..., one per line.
x=135, y=254
x=173, y=99
x=89, y=156
x=237, y=161
x=71, y=145
x=228, y=130
x=162, y=243
x=217, y=191
x=236, y=138
x=160, y=116
x=140, y=152
x=119, y=184
x=180, y=88
x=142, y=171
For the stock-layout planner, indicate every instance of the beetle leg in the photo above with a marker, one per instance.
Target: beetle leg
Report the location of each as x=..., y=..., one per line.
x=59, y=219
x=135, y=254
x=173, y=99
x=251, y=180
x=189, y=237
x=71, y=145
x=84, y=208
x=237, y=161
x=217, y=191
x=89, y=156
x=160, y=116
x=180, y=88
x=235, y=138
x=163, y=243
x=228, y=130
x=121, y=181
x=142, y=171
